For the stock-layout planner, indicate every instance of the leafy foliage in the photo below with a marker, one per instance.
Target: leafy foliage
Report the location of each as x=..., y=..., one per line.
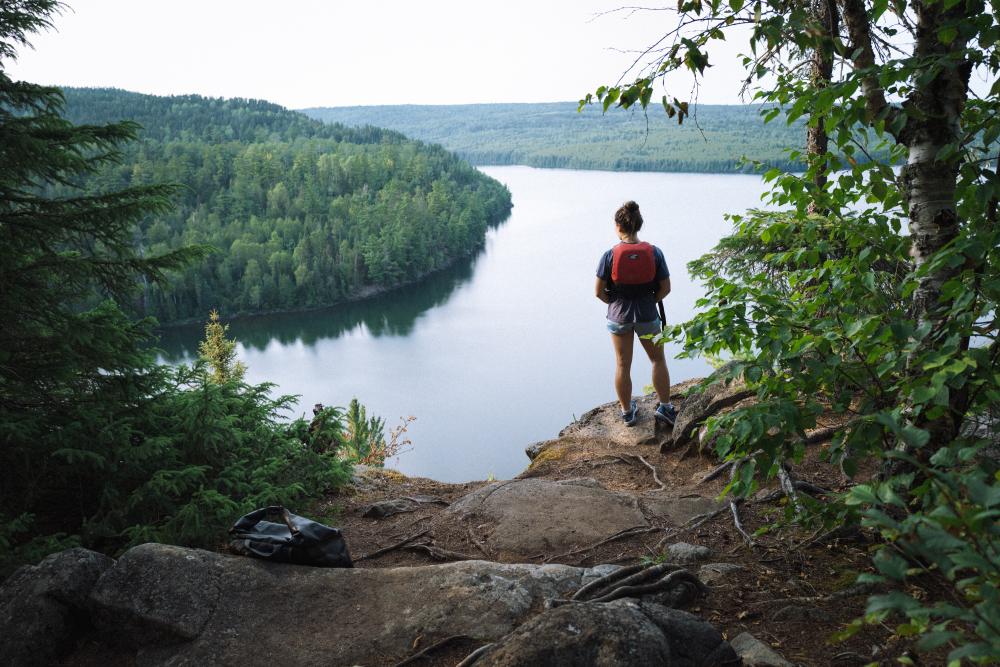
x=302, y=214
x=949, y=532
x=825, y=304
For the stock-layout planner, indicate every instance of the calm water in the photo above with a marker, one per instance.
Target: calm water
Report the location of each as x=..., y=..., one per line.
x=506, y=348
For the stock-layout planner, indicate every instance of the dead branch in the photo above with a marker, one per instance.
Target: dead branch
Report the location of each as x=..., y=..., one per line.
x=693, y=522
x=479, y=545
x=621, y=534
x=433, y=647
x=427, y=501
x=437, y=553
x=733, y=506
x=851, y=591
x=475, y=655
x=656, y=477
x=397, y=545
x=788, y=486
x=739, y=524
x=734, y=463
x=810, y=488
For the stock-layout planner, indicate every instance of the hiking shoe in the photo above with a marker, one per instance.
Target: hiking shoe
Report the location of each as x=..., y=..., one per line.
x=630, y=417
x=666, y=413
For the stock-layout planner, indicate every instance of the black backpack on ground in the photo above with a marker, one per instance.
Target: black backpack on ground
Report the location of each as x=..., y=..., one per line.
x=295, y=540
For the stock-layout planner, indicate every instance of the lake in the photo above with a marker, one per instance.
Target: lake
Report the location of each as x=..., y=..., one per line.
x=504, y=348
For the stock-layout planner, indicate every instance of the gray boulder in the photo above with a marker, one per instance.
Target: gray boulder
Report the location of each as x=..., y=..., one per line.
x=158, y=592
x=622, y=632
x=188, y=607
x=682, y=552
x=535, y=449
x=387, y=508
x=756, y=653
x=41, y=606
x=714, y=574
x=698, y=407
x=532, y=516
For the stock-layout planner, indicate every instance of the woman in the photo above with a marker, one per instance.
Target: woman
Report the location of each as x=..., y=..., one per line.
x=632, y=278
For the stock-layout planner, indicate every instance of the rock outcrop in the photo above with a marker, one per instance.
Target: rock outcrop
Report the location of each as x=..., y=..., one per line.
x=189, y=607
x=623, y=632
x=532, y=516
x=42, y=607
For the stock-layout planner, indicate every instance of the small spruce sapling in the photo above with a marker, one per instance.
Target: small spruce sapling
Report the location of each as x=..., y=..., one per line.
x=219, y=352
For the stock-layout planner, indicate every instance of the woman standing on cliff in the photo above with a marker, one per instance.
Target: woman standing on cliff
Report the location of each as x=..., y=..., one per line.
x=632, y=277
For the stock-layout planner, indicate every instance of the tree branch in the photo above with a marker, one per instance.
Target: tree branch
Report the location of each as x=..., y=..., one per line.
x=859, y=31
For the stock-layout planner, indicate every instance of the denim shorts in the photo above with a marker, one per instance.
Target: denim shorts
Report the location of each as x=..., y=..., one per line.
x=641, y=328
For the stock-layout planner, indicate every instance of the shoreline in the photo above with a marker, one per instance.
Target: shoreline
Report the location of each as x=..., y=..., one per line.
x=366, y=292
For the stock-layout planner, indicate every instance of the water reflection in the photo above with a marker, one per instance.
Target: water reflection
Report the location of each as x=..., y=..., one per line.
x=392, y=314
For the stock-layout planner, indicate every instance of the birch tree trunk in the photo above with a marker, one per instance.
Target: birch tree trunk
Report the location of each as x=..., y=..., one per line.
x=927, y=123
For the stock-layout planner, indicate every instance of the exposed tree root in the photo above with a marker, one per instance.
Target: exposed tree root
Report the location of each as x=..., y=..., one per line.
x=433, y=647
x=635, y=581
x=678, y=577
x=606, y=580
x=634, y=576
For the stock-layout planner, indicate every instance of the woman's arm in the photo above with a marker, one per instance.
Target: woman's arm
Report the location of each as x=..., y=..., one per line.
x=663, y=289
x=601, y=290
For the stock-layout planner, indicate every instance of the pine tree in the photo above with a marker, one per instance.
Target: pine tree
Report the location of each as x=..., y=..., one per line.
x=67, y=372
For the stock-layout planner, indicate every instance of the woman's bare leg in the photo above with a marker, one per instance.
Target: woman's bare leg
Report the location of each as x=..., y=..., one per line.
x=661, y=376
x=623, y=371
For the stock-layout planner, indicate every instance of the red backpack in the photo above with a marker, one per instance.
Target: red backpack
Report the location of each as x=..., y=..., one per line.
x=633, y=264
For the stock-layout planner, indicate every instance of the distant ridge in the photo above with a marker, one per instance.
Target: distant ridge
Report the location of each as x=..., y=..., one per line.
x=554, y=134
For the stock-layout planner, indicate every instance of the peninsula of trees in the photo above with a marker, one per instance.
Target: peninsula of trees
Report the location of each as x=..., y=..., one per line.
x=301, y=214
x=555, y=135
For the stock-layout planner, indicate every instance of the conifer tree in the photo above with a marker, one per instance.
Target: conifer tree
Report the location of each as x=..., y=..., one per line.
x=219, y=352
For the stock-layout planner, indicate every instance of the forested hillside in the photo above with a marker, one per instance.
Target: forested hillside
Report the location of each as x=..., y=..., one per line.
x=556, y=135
x=301, y=213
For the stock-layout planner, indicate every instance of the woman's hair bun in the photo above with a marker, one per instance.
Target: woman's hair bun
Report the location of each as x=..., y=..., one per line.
x=628, y=218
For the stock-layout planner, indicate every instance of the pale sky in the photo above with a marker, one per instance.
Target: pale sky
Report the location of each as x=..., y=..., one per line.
x=304, y=53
